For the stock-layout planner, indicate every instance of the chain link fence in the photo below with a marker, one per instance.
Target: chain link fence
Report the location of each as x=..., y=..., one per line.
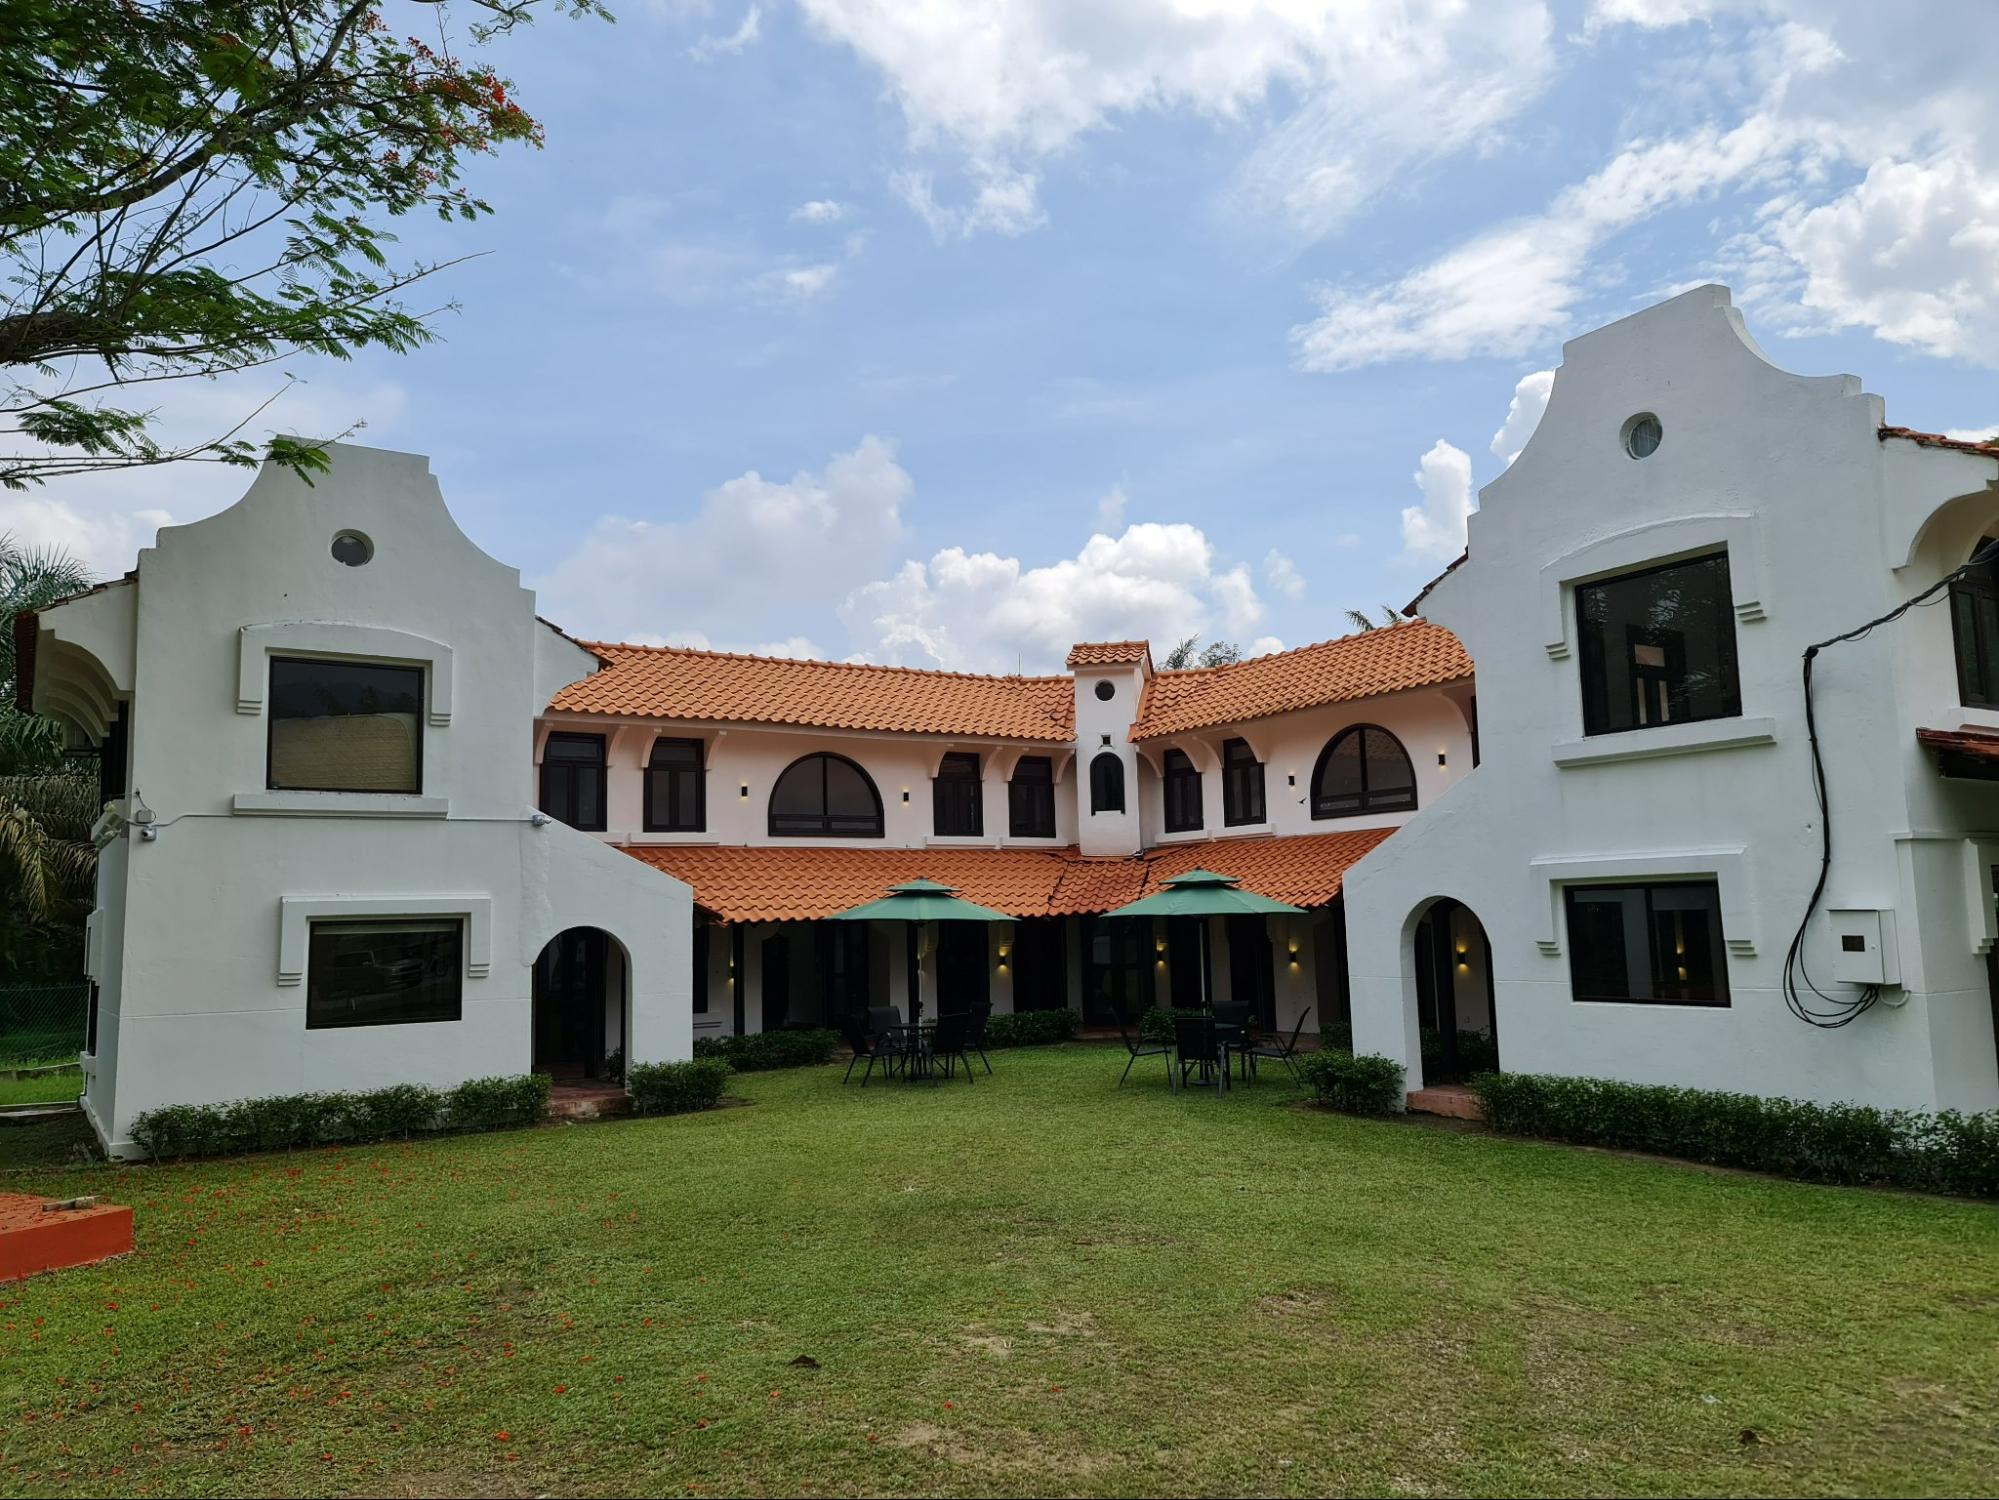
x=43, y=1023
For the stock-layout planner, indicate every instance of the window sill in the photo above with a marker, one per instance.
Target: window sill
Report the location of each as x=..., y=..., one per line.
x=1668, y=739
x=1977, y=718
x=1186, y=836
x=341, y=804
x=693, y=836
x=959, y=841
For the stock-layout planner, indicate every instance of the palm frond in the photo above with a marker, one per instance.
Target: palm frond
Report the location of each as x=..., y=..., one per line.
x=1360, y=619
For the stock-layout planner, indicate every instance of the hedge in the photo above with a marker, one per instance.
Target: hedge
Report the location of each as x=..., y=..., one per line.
x=1366, y=1085
x=286, y=1122
x=1030, y=1028
x=1847, y=1143
x=765, y=1050
x=678, y=1088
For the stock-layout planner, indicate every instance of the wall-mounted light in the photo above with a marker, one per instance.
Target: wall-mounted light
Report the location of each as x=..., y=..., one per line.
x=1440, y=758
x=905, y=794
x=1290, y=778
x=744, y=791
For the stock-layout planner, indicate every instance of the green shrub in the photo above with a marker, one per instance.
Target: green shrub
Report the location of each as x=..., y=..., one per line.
x=1477, y=1052
x=764, y=1050
x=1367, y=1085
x=1156, y=1025
x=490, y=1103
x=1849, y=1143
x=1030, y=1028
x=1336, y=1036
x=289, y=1122
x=678, y=1088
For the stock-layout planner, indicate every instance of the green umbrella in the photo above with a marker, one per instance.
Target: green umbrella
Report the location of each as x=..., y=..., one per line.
x=916, y=902
x=1203, y=893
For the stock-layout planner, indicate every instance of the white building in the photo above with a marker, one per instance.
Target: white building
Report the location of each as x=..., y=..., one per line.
x=316, y=714
x=1641, y=840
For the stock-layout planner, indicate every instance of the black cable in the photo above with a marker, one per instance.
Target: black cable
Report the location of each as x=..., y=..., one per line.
x=1844, y=1009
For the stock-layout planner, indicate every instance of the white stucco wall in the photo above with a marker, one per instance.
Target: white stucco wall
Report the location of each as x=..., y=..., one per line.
x=1825, y=526
x=195, y=1005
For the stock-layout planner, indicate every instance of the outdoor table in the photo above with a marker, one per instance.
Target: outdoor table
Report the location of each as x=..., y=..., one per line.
x=912, y=1045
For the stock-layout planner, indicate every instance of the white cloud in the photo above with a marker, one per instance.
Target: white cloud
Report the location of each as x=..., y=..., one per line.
x=1436, y=528
x=1111, y=509
x=754, y=548
x=744, y=36
x=804, y=283
x=1361, y=89
x=818, y=211
x=1652, y=15
x=983, y=612
x=1282, y=574
x=798, y=647
x=1973, y=434
x=1523, y=414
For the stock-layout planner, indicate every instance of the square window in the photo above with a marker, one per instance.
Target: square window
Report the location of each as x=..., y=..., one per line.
x=384, y=973
x=1656, y=944
x=344, y=726
x=1658, y=647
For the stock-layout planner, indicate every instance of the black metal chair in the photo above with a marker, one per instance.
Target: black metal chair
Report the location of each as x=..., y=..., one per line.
x=1197, y=1047
x=1283, y=1050
x=876, y=1048
x=1236, y=1029
x=1140, y=1048
x=890, y=1039
x=947, y=1045
x=975, y=1031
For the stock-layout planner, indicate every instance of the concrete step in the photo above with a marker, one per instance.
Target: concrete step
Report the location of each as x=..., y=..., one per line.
x=587, y=1102
x=1451, y=1099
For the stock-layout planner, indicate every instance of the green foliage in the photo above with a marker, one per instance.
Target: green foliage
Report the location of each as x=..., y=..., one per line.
x=1477, y=1053
x=195, y=187
x=1336, y=1036
x=1156, y=1025
x=290, y=1122
x=1030, y=1028
x=1851, y=1143
x=1183, y=657
x=1366, y=1085
x=678, y=1088
x=765, y=1050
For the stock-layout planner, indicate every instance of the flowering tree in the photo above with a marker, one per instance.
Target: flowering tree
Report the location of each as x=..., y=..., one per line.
x=194, y=187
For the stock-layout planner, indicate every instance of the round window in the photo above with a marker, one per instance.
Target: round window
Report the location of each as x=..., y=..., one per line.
x=352, y=548
x=1105, y=691
x=1641, y=435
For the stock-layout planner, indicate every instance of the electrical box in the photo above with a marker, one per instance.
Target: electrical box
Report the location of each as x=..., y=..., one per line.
x=1863, y=943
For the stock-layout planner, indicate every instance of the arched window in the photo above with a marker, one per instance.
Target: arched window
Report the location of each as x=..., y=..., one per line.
x=1974, y=618
x=1106, y=784
x=825, y=796
x=1363, y=770
x=1183, y=792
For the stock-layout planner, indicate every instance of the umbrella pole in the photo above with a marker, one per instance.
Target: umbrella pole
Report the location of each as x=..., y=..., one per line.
x=1207, y=999
x=915, y=975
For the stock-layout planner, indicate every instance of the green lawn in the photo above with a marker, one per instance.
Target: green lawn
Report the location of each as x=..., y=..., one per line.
x=1035, y=1285
x=43, y=1088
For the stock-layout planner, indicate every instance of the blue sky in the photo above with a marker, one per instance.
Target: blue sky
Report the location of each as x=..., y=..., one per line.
x=948, y=334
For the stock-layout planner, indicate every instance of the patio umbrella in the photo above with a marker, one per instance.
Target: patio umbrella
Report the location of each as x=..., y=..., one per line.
x=1203, y=893
x=917, y=902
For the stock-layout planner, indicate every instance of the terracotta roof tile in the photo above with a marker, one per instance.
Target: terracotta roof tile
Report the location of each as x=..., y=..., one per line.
x=1108, y=654
x=662, y=682
x=1988, y=448
x=1413, y=654
x=780, y=883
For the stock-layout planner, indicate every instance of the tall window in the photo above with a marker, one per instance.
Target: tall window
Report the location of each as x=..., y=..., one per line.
x=345, y=726
x=1974, y=622
x=383, y=972
x=1242, y=784
x=1183, y=792
x=955, y=797
x=1106, y=784
x=572, y=780
x=1030, y=798
x=1363, y=770
x=1658, y=647
x=825, y=796
x=1649, y=943
x=676, y=788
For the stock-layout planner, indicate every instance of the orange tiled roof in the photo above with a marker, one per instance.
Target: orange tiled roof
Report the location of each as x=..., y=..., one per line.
x=1107, y=654
x=1988, y=448
x=668, y=682
x=1412, y=654
x=782, y=883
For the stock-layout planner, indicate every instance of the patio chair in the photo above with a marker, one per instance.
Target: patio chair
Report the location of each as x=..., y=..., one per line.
x=1197, y=1048
x=1140, y=1048
x=975, y=1031
x=876, y=1047
x=890, y=1040
x=1236, y=1030
x=1284, y=1050
x=948, y=1041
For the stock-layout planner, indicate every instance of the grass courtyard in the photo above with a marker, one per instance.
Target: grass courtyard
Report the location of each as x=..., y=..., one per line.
x=1034, y=1285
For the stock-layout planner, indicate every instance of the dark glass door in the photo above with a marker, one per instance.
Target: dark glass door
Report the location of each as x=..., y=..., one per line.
x=569, y=1004
x=1187, y=963
x=963, y=980
x=776, y=984
x=1117, y=970
x=1040, y=964
x=1252, y=975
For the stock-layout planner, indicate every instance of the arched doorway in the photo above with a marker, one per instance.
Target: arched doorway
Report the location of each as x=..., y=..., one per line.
x=581, y=994
x=1455, y=1015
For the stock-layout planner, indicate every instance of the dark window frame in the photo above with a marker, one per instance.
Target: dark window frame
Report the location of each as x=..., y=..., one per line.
x=1183, y=810
x=957, y=796
x=1721, y=999
x=566, y=771
x=1977, y=668
x=822, y=822
x=676, y=819
x=316, y=965
x=1106, y=783
x=1594, y=668
x=1243, y=788
x=272, y=718
x=1371, y=801
x=1030, y=798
